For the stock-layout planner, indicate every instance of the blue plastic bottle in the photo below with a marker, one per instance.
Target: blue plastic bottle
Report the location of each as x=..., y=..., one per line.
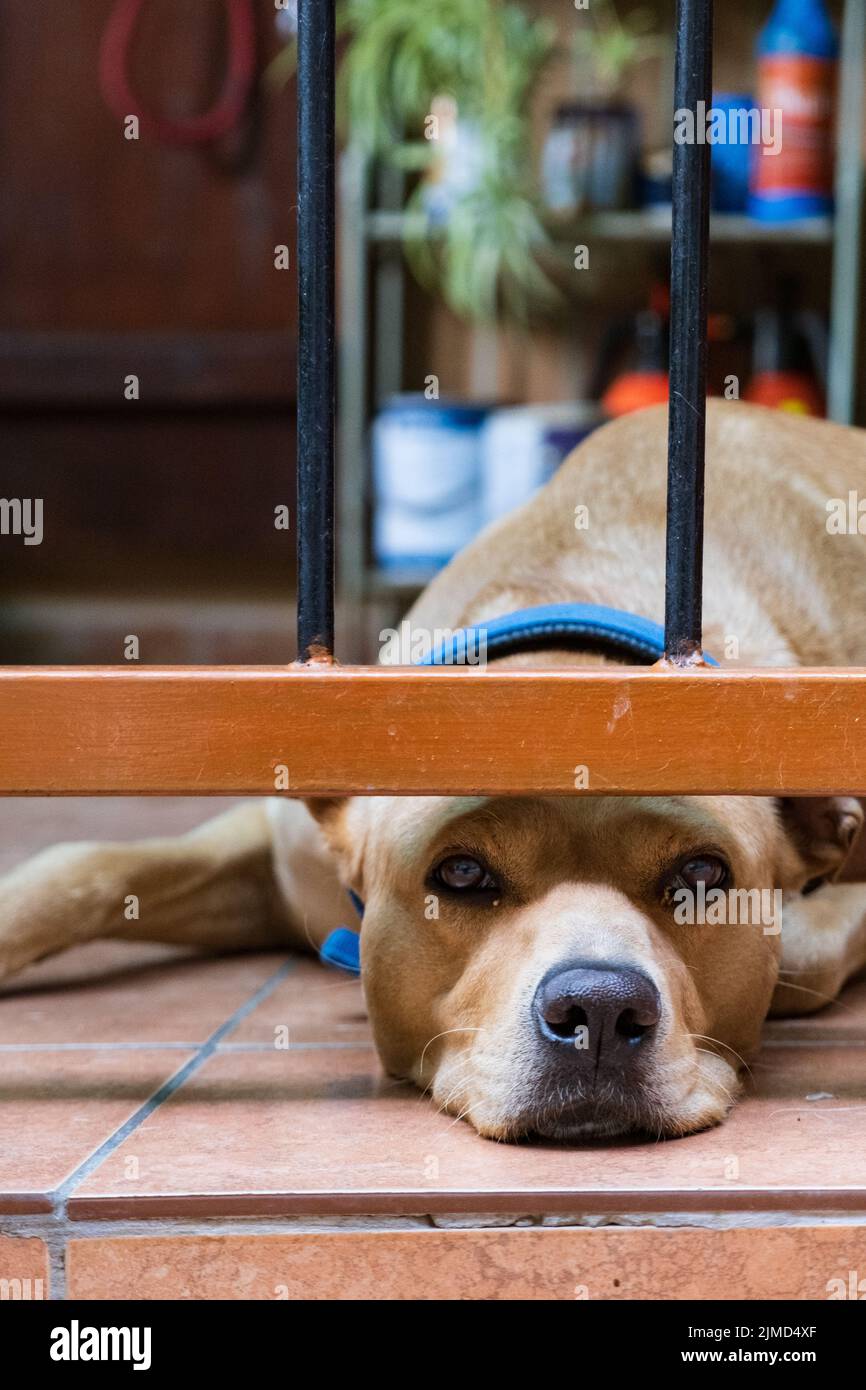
x=797, y=60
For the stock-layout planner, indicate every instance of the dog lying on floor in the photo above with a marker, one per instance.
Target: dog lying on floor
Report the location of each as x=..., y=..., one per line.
x=522, y=958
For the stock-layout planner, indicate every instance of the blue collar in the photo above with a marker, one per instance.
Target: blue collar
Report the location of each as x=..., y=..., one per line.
x=582, y=626
x=342, y=947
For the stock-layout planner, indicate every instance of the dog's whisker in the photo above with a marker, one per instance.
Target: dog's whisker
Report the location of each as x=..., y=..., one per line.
x=444, y=1034
x=804, y=989
x=458, y=1085
x=704, y=1038
x=455, y=1076
x=313, y=945
x=715, y=1079
x=461, y=1116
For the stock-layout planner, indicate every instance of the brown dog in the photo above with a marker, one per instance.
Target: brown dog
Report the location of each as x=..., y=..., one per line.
x=531, y=961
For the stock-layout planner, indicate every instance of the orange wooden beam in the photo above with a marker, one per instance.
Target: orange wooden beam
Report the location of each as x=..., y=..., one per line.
x=217, y=730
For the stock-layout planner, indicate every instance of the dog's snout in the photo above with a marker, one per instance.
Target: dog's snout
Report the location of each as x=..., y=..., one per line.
x=601, y=1012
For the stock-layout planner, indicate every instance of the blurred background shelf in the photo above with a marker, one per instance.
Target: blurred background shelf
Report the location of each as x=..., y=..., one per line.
x=824, y=255
x=641, y=225
x=407, y=583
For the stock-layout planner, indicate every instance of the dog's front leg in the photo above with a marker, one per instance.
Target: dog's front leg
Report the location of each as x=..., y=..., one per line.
x=212, y=888
x=823, y=945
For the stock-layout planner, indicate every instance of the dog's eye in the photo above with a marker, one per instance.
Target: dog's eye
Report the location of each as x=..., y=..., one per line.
x=708, y=870
x=463, y=874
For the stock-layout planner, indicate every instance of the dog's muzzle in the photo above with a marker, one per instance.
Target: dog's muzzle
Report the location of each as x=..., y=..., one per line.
x=595, y=1025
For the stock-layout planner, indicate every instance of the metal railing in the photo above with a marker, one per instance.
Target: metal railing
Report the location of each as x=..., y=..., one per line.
x=317, y=213
x=690, y=238
x=317, y=347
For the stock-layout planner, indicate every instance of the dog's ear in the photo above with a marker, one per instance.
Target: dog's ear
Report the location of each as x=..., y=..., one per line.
x=325, y=809
x=823, y=830
x=330, y=814
x=342, y=832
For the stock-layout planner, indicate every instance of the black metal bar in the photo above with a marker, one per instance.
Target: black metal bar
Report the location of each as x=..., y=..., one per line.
x=316, y=329
x=688, y=364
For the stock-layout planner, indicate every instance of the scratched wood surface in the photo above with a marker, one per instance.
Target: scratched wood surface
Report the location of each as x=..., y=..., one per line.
x=222, y=730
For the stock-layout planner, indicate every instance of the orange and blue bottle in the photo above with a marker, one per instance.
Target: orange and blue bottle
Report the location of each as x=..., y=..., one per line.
x=792, y=176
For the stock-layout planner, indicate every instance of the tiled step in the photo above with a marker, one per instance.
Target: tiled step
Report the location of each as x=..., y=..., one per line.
x=571, y=1264
x=162, y=1140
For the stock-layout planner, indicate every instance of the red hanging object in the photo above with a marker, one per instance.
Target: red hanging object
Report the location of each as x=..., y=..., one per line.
x=212, y=125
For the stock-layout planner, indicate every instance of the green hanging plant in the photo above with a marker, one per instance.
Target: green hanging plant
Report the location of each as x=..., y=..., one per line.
x=487, y=258
x=484, y=251
x=606, y=47
x=484, y=53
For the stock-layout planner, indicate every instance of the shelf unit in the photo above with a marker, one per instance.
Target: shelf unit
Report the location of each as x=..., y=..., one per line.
x=643, y=224
x=372, y=229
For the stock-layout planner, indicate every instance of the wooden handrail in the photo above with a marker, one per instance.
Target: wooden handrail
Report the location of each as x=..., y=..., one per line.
x=378, y=730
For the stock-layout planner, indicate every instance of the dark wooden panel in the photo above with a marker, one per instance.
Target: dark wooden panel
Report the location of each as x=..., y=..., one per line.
x=98, y=233
x=137, y=500
x=89, y=369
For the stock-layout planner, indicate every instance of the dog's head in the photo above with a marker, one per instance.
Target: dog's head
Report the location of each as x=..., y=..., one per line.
x=577, y=967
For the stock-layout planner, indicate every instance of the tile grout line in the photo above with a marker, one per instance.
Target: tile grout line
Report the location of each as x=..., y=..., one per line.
x=168, y=1088
x=172, y=1084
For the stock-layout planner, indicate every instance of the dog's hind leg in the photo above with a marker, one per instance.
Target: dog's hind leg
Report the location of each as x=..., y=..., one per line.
x=823, y=945
x=212, y=888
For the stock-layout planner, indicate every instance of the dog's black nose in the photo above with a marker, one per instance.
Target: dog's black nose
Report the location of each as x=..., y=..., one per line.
x=603, y=1013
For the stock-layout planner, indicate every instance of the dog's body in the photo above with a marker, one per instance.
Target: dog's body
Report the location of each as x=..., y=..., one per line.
x=521, y=958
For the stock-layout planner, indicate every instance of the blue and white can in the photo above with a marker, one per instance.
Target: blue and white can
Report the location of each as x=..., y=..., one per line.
x=427, y=480
x=522, y=447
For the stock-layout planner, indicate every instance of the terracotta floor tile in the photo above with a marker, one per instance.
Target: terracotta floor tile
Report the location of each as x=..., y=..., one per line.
x=323, y=1130
x=314, y=1004
x=56, y=1108
x=24, y=1270
x=571, y=1264
x=114, y=992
